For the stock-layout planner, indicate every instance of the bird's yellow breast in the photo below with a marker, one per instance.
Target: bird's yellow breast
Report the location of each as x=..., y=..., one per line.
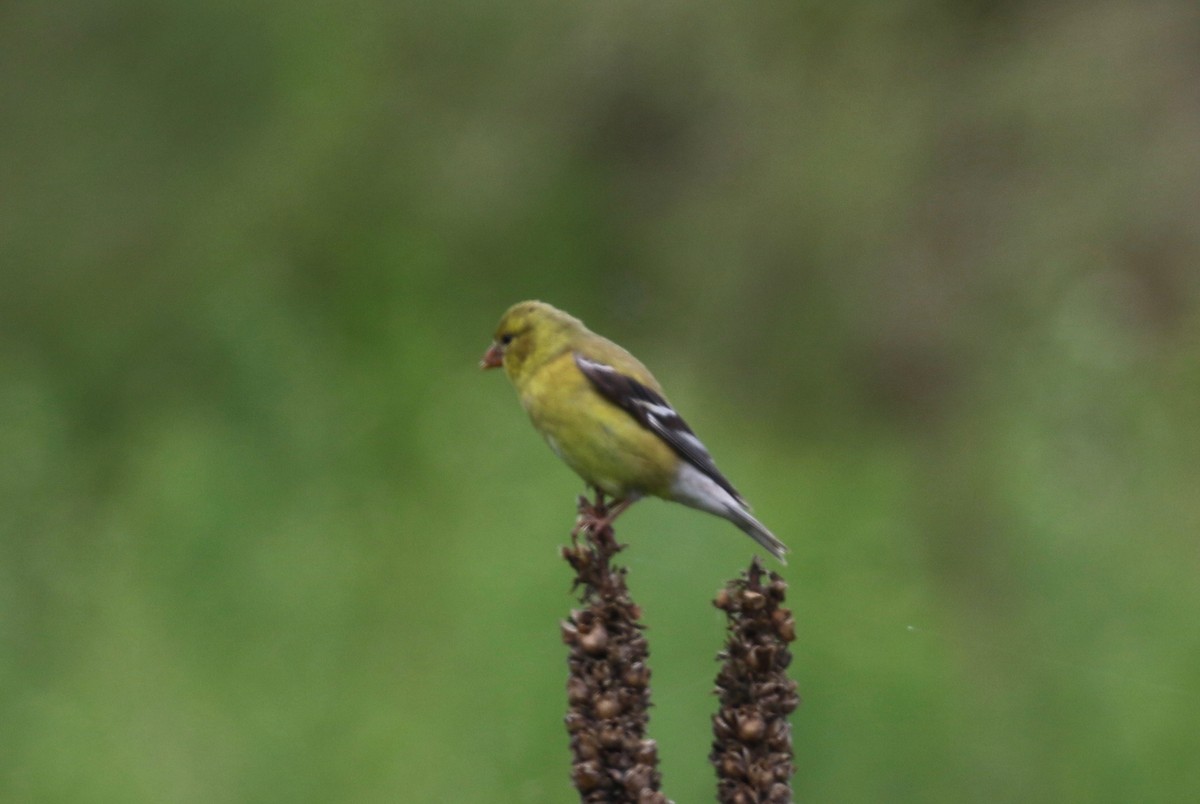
x=605, y=446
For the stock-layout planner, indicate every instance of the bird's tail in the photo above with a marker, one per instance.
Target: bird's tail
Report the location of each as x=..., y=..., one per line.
x=695, y=488
x=758, y=532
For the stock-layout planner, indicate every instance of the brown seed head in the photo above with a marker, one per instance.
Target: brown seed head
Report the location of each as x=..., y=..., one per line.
x=587, y=776
x=595, y=641
x=608, y=707
x=753, y=601
x=751, y=729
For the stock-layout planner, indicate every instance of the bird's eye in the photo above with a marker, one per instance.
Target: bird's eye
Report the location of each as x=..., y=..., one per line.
x=506, y=338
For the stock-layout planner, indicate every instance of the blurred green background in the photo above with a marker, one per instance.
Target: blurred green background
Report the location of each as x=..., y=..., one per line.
x=923, y=275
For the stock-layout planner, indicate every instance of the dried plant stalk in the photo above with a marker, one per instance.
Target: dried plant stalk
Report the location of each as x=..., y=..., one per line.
x=752, y=745
x=608, y=691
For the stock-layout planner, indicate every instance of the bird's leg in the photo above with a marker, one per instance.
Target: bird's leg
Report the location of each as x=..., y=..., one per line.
x=604, y=515
x=589, y=512
x=596, y=517
x=598, y=527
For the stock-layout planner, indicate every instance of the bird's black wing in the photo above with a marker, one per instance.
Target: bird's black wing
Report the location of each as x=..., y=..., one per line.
x=655, y=414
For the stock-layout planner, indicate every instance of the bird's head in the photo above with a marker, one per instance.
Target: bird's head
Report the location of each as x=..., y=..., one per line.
x=528, y=334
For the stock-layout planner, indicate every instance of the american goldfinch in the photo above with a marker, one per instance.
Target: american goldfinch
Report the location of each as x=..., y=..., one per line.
x=605, y=415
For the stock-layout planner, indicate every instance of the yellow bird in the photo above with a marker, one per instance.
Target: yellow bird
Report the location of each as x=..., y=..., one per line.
x=605, y=415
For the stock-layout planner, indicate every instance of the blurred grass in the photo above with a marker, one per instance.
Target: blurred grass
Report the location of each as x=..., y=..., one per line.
x=923, y=275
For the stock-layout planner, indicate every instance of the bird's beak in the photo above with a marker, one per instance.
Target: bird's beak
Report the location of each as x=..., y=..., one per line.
x=493, y=357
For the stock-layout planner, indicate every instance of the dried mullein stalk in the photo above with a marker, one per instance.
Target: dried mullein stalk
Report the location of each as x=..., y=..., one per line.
x=752, y=745
x=608, y=691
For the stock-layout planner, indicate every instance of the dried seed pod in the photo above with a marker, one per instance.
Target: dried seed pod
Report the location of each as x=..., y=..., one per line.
x=611, y=738
x=722, y=600
x=779, y=794
x=761, y=658
x=577, y=691
x=637, y=675
x=731, y=766
x=586, y=747
x=608, y=707
x=570, y=634
x=638, y=779
x=595, y=641
x=751, y=729
x=587, y=776
x=647, y=752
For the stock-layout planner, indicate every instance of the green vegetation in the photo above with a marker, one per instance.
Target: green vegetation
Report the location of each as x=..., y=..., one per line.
x=923, y=275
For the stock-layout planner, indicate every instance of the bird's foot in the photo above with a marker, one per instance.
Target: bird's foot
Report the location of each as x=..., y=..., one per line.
x=596, y=518
x=588, y=512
